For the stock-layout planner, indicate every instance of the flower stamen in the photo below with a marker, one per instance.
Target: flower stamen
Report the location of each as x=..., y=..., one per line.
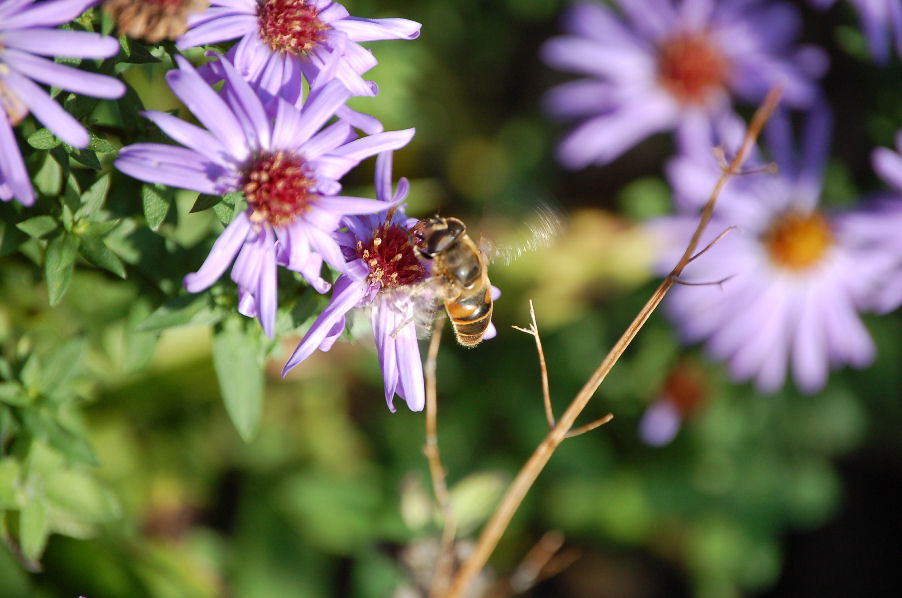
x=291, y=26
x=279, y=189
x=691, y=67
x=391, y=257
x=798, y=241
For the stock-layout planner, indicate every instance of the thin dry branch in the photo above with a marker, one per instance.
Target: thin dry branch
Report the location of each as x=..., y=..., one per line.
x=590, y=426
x=445, y=562
x=546, y=391
x=527, y=475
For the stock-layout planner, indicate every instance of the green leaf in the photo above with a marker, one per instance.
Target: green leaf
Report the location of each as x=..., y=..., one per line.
x=82, y=496
x=187, y=309
x=100, y=229
x=12, y=393
x=60, y=366
x=9, y=475
x=205, y=202
x=101, y=145
x=230, y=206
x=59, y=262
x=43, y=426
x=135, y=52
x=38, y=226
x=240, y=373
x=49, y=178
x=33, y=528
x=96, y=252
x=94, y=197
x=85, y=156
x=139, y=346
x=43, y=139
x=156, y=200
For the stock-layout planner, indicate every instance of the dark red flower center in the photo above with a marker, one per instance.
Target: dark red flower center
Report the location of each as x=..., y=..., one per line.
x=391, y=257
x=291, y=26
x=685, y=387
x=691, y=67
x=798, y=241
x=279, y=188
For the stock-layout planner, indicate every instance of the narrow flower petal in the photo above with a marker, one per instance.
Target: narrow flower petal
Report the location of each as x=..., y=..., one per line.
x=345, y=295
x=60, y=43
x=47, y=111
x=221, y=255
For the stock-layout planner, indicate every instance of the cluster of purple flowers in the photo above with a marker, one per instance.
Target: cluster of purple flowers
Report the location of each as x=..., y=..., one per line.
x=783, y=291
x=287, y=152
x=278, y=130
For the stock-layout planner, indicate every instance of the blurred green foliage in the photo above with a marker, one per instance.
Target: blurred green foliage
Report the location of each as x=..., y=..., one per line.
x=151, y=448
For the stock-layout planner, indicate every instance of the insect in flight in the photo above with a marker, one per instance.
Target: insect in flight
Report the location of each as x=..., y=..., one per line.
x=461, y=268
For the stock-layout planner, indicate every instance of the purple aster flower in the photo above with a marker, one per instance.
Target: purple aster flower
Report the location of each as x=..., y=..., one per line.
x=27, y=32
x=877, y=227
x=879, y=19
x=794, y=276
x=684, y=390
x=384, y=273
x=288, y=166
x=671, y=64
x=282, y=39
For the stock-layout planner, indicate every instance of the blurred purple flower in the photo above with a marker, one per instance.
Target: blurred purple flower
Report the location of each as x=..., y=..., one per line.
x=283, y=39
x=877, y=229
x=288, y=167
x=385, y=273
x=671, y=64
x=27, y=32
x=794, y=276
x=879, y=19
x=660, y=423
x=684, y=391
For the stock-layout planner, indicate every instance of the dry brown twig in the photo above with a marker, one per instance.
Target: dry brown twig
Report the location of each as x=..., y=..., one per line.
x=445, y=562
x=563, y=428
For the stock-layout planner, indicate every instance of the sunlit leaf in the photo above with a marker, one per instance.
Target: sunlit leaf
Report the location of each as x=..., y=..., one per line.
x=156, y=200
x=59, y=262
x=33, y=528
x=238, y=367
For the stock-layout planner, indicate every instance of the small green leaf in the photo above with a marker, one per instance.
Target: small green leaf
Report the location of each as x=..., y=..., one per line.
x=43, y=139
x=49, y=178
x=135, y=52
x=59, y=367
x=100, y=229
x=71, y=200
x=101, y=145
x=231, y=205
x=139, y=346
x=95, y=251
x=240, y=373
x=33, y=528
x=205, y=202
x=42, y=425
x=9, y=476
x=59, y=262
x=85, y=156
x=38, y=226
x=12, y=393
x=94, y=197
x=156, y=200
x=187, y=309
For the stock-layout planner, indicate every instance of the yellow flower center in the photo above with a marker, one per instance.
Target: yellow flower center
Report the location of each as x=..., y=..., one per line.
x=798, y=241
